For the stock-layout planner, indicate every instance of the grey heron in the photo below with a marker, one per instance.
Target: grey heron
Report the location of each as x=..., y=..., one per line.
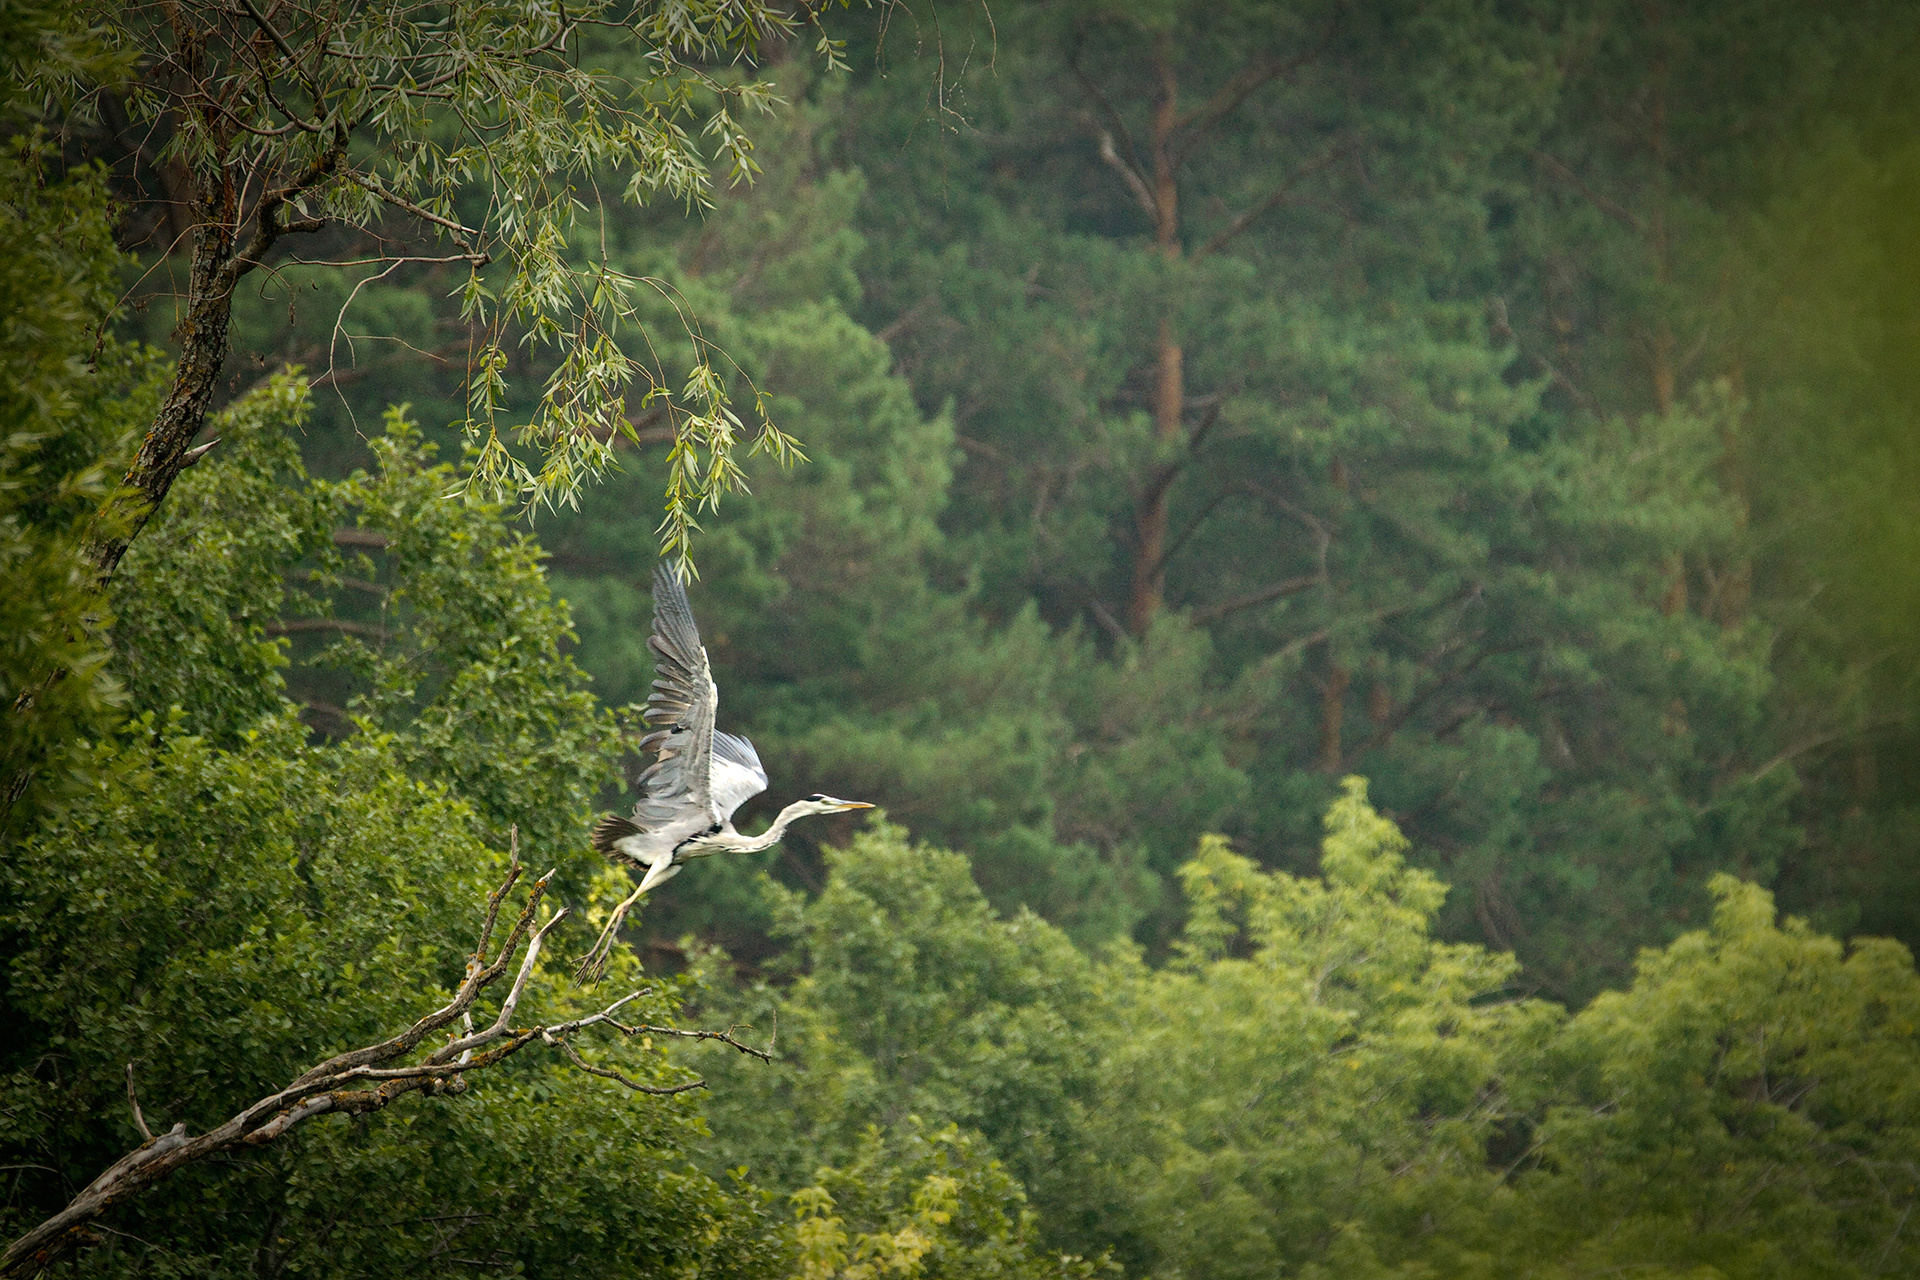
x=701, y=775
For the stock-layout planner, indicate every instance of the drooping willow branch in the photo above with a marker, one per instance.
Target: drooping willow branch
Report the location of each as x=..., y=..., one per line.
x=362, y=1080
x=388, y=123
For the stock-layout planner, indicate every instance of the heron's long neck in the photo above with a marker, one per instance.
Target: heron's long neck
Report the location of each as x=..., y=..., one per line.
x=771, y=836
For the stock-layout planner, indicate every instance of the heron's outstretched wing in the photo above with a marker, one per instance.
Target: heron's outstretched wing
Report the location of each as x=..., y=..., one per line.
x=677, y=789
x=737, y=774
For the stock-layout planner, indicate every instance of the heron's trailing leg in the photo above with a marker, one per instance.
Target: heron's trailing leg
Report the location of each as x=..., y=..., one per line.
x=595, y=963
x=594, y=966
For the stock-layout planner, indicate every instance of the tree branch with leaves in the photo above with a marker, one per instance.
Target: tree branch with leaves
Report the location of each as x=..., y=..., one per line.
x=474, y=137
x=369, y=1078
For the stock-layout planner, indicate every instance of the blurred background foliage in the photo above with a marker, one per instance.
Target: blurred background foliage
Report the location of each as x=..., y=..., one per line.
x=1206, y=407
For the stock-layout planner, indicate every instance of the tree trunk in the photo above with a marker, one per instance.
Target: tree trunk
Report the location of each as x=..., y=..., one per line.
x=1675, y=600
x=1663, y=372
x=204, y=343
x=1150, y=518
x=1169, y=366
x=1333, y=714
x=1732, y=600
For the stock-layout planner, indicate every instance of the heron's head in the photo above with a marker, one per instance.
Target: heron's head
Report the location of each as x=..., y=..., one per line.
x=817, y=803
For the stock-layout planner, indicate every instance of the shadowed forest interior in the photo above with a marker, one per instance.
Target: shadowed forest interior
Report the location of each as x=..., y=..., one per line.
x=1366, y=554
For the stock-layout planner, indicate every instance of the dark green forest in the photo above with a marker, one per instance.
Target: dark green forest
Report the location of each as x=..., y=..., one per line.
x=1367, y=554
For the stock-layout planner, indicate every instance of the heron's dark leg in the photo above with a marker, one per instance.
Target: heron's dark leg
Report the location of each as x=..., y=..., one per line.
x=594, y=966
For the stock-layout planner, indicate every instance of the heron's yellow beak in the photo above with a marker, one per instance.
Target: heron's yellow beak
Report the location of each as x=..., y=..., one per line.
x=854, y=804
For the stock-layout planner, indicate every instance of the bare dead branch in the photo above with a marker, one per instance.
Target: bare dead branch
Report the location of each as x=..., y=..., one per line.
x=608, y=1073
x=325, y=1088
x=464, y=236
x=724, y=1037
x=1243, y=84
x=1132, y=170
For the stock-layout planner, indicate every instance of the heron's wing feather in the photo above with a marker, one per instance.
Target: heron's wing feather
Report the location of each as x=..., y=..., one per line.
x=677, y=789
x=607, y=835
x=737, y=775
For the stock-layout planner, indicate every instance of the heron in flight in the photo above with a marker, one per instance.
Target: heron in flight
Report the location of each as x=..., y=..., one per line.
x=700, y=777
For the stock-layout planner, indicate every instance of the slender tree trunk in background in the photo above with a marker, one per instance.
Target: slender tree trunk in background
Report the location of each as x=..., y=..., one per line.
x=1153, y=182
x=1662, y=370
x=1333, y=713
x=1169, y=366
x=1150, y=519
x=1379, y=702
x=1675, y=601
x=1735, y=592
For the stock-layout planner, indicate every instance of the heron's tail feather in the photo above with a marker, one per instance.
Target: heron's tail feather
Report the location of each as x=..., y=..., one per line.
x=610, y=831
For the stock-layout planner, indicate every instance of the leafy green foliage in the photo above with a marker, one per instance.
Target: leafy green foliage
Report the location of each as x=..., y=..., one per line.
x=1830, y=383
x=1475, y=604
x=1313, y=1066
x=413, y=616
x=1404, y=555
x=1748, y=1105
x=236, y=896
x=221, y=919
x=1504, y=462
x=916, y=1000
x=69, y=408
x=841, y=619
x=1316, y=1084
x=1411, y=532
x=921, y=1205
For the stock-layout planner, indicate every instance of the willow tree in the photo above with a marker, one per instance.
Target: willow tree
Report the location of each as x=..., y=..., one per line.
x=473, y=138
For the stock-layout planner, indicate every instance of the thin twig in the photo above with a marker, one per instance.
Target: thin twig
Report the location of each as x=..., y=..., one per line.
x=724, y=1037
x=133, y=1100
x=609, y=1073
